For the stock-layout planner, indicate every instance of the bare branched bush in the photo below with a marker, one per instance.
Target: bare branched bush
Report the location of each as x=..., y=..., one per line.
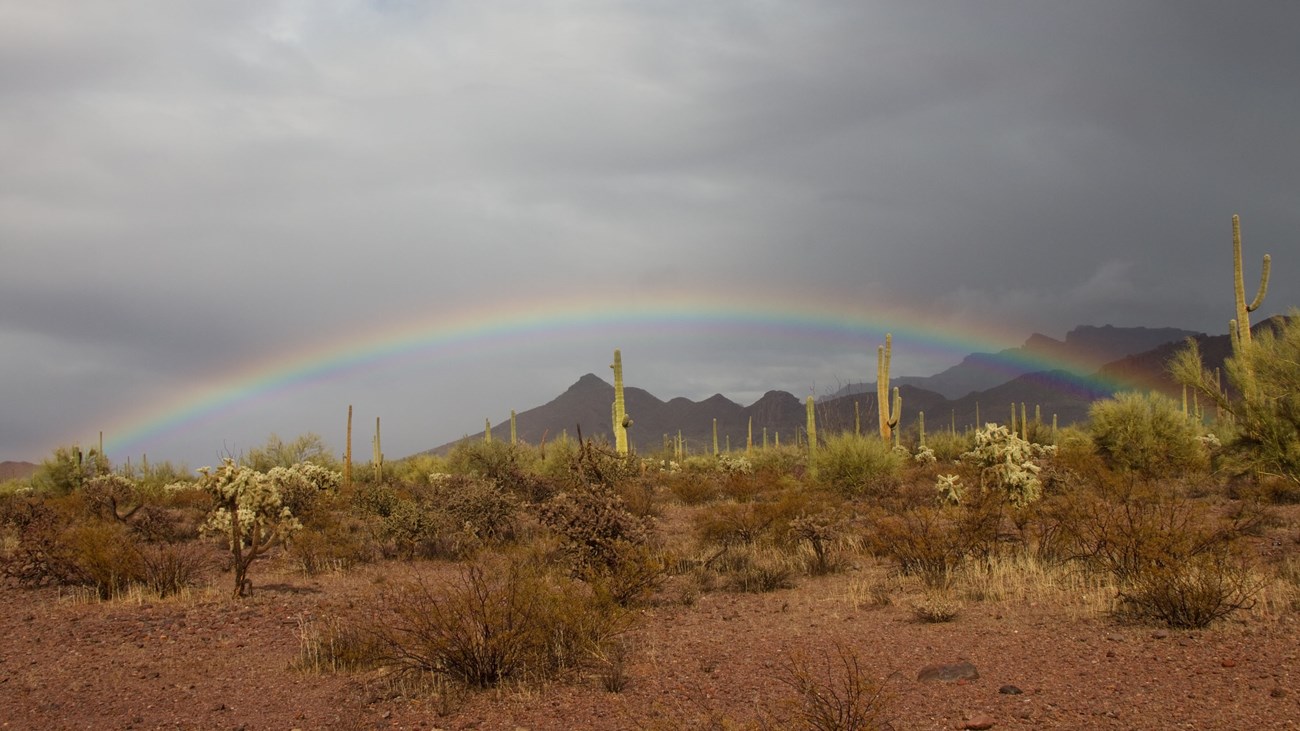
x=1174, y=562
x=496, y=622
x=833, y=693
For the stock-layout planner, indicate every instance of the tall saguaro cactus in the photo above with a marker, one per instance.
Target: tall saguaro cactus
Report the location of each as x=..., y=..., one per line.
x=887, y=421
x=812, y=427
x=621, y=420
x=378, y=458
x=1240, y=327
x=347, y=455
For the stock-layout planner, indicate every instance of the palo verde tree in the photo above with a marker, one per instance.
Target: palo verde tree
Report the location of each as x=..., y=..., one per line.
x=1263, y=398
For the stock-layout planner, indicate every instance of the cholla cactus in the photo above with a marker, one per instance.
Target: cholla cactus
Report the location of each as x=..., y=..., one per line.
x=732, y=465
x=249, y=512
x=1007, y=463
x=950, y=490
x=925, y=455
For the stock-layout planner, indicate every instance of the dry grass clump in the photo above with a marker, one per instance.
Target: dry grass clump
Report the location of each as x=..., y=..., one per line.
x=936, y=607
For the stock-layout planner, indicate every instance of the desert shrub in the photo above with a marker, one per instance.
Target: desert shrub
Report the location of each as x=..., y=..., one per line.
x=305, y=448
x=823, y=532
x=495, y=622
x=750, y=522
x=948, y=446
x=477, y=505
x=775, y=461
x=690, y=488
x=833, y=693
x=856, y=466
x=1263, y=401
x=932, y=541
x=1192, y=593
x=334, y=544
x=419, y=529
x=604, y=543
x=1147, y=434
x=38, y=554
x=112, y=497
x=1172, y=561
x=755, y=568
x=375, y=499
x=169, y=568
x=68, y=470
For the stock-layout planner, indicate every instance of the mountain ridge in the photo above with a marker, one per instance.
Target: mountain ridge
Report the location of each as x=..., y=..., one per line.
x=1065, y=394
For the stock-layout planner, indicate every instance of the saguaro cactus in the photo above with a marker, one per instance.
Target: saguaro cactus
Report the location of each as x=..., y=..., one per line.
x=749, y=437
x=347, y=455
x=1240, y=327
x=812, y=426
x=715, y=438
x=887, y=421
x=514, y=435
x=621, y=420
x=379, y=454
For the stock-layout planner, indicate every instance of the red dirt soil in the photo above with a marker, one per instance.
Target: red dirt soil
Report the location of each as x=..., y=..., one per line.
x=209, y=662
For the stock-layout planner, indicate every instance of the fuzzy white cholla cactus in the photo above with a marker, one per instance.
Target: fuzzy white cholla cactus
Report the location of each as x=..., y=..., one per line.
x=250, y=497
x=950, y=490
x=250, y=510
x=925, y=455
x=730, y=465
x=1008, y=463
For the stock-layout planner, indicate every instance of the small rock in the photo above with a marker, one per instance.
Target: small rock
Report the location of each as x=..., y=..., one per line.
x=1278, y=692
x=1229, y=663
x=948, y=672
x=1159, y=634
x=1010, y=690
x=1110, y=653
x=977, y=722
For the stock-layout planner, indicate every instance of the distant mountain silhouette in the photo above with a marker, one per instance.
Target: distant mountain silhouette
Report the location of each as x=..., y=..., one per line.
x=1085, y=349
x=987, y=384
x=17, y=470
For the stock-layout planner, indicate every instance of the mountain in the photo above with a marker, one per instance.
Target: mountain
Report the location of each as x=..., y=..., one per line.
x=1085, y=350
x=982, y=388
x=17, y=470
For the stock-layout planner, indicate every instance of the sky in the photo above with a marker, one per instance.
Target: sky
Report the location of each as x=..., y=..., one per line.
x=225, y=220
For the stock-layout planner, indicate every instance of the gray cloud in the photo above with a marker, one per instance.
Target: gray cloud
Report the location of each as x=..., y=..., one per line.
x=188, y=188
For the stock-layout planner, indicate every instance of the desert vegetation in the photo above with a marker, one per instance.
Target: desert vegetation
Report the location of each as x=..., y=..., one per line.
x=510, y=565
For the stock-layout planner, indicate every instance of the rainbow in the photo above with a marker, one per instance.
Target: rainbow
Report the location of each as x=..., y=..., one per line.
x=788, y=319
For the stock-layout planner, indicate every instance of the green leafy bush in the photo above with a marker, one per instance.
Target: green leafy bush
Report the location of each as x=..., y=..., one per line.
x=1146, y=433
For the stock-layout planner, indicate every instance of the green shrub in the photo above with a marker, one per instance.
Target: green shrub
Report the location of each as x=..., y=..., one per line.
x=856, y=466
x=1263, y=400
x=1146, y=433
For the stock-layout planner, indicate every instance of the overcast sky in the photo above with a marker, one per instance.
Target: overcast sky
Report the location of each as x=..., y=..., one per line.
x=190, y=191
